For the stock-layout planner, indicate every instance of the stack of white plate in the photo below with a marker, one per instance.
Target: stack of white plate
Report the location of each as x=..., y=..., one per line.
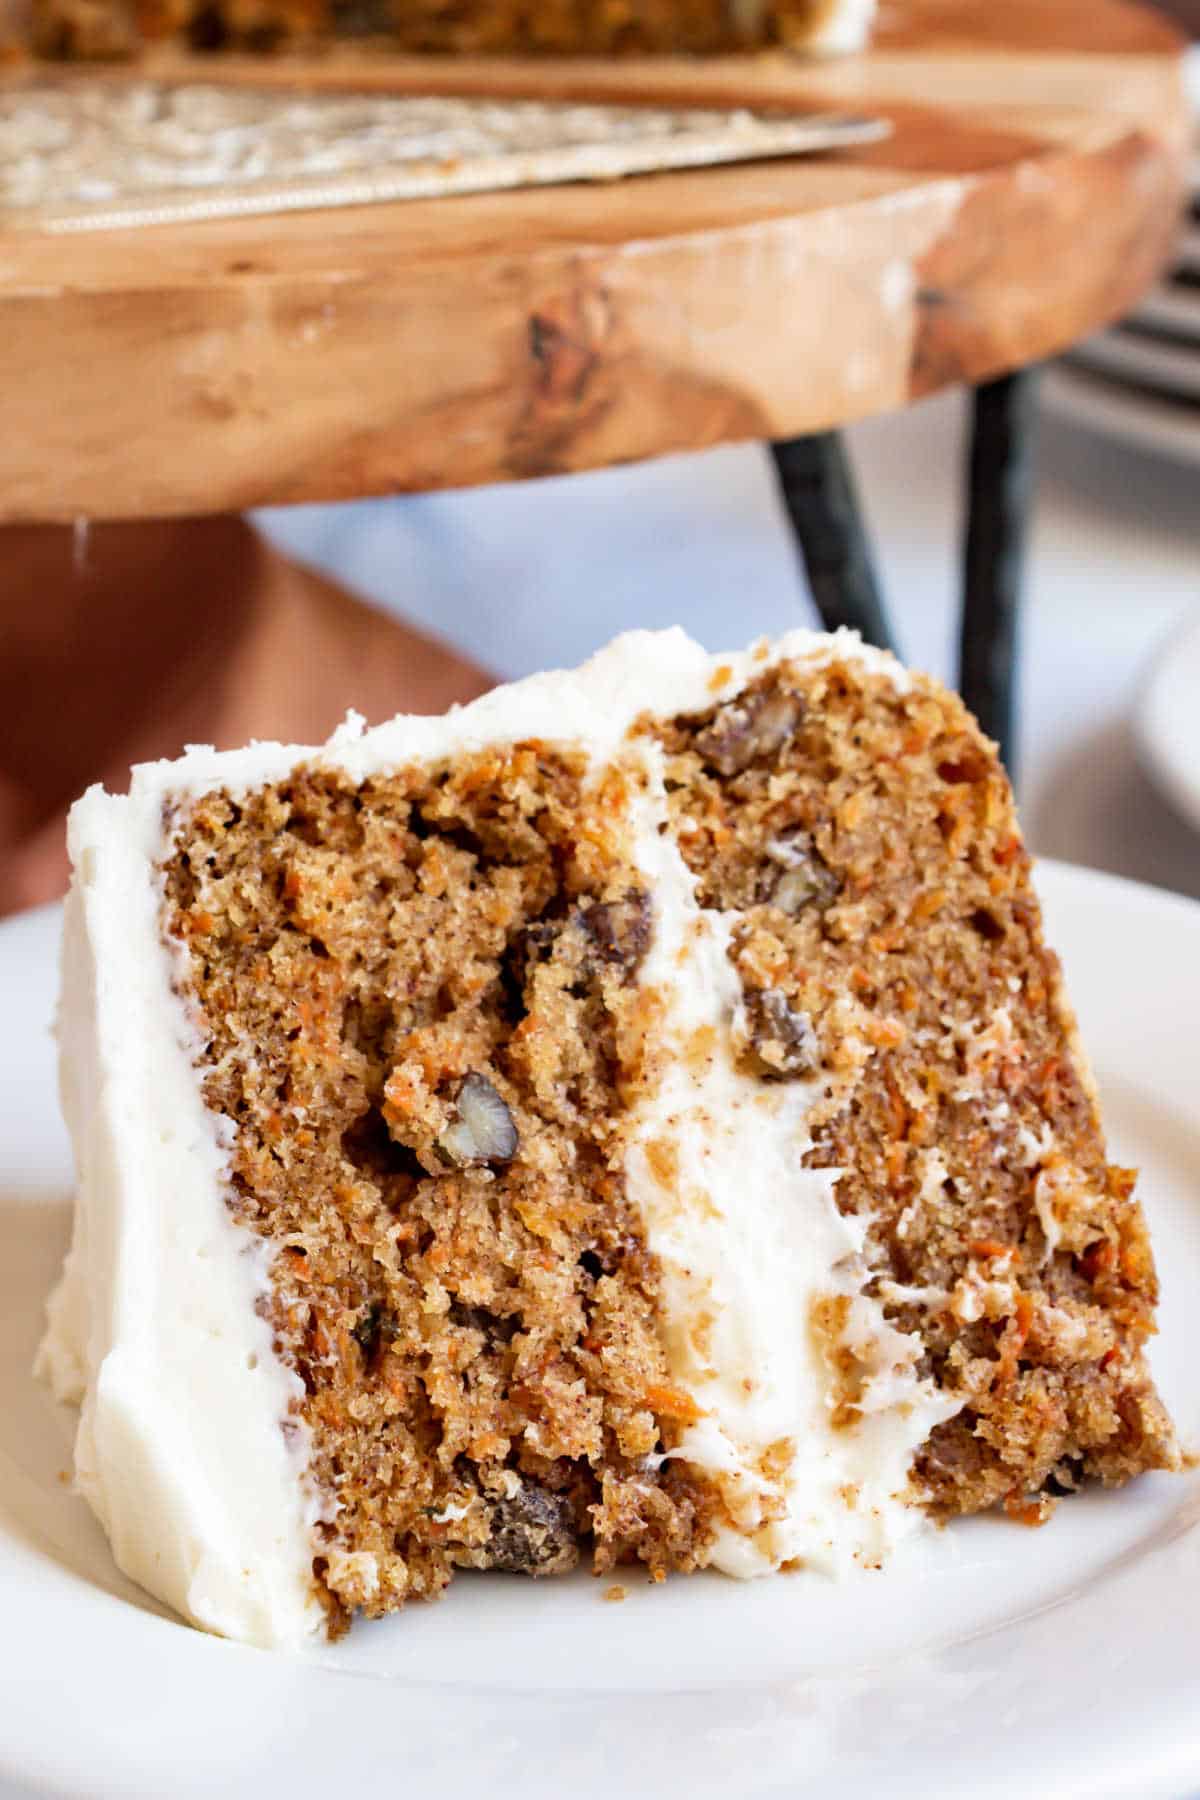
x=1141, y=380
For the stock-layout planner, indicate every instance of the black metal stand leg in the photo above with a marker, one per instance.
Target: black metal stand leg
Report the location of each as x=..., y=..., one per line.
x=818, y=491
x=999, y=484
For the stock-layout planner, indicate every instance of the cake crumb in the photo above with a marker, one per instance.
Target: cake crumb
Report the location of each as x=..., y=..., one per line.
x=616, y=1593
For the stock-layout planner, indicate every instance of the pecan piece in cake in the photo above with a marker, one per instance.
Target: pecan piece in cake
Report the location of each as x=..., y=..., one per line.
x=782, y=1039
x=753, y=727
x=531, y=1534
x=799, y=876
x=620, y=930
x=483, y=1130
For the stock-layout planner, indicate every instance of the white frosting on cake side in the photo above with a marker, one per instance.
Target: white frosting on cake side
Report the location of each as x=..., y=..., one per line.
x=181, y=1450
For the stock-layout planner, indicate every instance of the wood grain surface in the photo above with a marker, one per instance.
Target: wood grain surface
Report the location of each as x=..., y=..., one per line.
x=1027, y=196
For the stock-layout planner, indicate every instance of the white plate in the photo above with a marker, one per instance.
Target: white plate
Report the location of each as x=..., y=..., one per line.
x=1099, y=404
x=990, y=1661
x=1168, y=721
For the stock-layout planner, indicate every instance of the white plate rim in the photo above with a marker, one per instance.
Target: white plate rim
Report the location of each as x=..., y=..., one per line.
x=1167, y=720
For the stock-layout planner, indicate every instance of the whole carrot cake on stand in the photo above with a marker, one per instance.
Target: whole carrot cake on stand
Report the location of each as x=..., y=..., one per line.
x=106, y=28
x=634, y=1117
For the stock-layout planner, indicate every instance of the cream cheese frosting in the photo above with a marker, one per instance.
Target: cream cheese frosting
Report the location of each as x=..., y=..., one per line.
x=181, y=1449
x=750, y=1243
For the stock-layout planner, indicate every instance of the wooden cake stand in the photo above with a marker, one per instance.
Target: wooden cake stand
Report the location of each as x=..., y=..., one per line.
x=1027, y=196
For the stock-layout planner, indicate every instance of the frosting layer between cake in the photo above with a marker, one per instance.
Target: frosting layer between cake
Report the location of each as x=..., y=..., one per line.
x=751, y=1242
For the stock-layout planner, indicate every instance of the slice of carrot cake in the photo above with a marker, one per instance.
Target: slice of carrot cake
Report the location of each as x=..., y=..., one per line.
x=634, y=1117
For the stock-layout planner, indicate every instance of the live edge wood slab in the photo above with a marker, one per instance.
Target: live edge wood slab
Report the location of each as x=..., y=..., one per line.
x=1026, y=197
